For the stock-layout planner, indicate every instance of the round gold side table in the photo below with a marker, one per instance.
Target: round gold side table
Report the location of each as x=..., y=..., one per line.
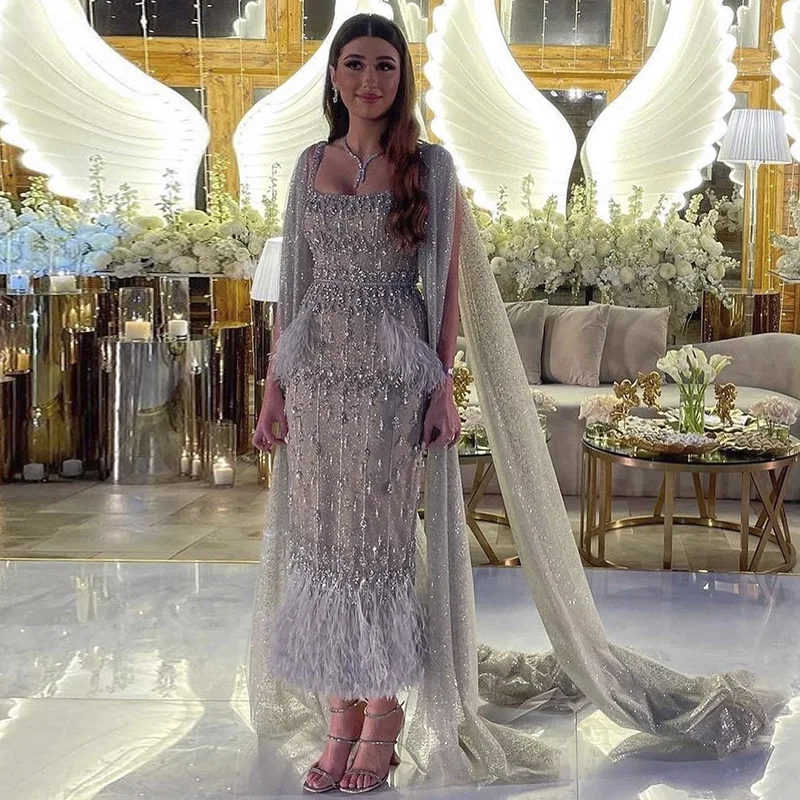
x=768, y=475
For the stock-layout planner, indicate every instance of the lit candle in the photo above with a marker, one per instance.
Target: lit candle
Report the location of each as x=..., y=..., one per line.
x=178, y=328
x=19, y=283
x=61, y=284
x=72, y=468
x=197, y=467
x=23, y=360
x=33, y=472
x=223, y=473
x=138, y=330
x=185, y=463
x=72, y=319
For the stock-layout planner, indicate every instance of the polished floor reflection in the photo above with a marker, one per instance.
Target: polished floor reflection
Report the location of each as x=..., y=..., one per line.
x=126, y=680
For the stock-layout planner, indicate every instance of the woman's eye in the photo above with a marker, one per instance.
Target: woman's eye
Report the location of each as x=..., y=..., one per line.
x=386, y=66
x=353, y=64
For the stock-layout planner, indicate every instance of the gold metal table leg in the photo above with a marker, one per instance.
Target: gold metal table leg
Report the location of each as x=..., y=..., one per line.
x=744, y=527
x=669, y=512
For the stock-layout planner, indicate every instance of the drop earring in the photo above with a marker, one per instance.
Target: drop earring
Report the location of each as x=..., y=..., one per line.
x=335, y=95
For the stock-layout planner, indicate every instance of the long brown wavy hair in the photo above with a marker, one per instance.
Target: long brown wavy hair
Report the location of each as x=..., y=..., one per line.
x=400, y=141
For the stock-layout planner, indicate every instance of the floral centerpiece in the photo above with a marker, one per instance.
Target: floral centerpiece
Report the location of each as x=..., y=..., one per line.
x=662, y=259
x=775, y=414
x=225, y=239
x=46, y=235
x=694, y=372
x=788, y=265
x=107, y=232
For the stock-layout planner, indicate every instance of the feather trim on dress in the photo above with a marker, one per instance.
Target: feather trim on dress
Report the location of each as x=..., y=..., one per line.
x=351, y=642
x=296, y=346
x=412, y=358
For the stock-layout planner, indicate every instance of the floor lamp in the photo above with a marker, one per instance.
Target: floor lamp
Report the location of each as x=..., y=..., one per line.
x=264, y=294
x=755, y=136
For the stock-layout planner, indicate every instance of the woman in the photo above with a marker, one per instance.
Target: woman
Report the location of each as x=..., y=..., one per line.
x=355, y=600
x=365, y=393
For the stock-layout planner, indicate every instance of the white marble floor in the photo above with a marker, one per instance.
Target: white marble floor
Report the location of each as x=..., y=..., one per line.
x=127, y=680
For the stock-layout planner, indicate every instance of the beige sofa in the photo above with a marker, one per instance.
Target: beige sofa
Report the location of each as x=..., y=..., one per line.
x=763, y=364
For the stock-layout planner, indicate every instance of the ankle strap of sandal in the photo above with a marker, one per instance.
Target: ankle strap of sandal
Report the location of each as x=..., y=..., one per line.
x=398, y=707
x=344, y=708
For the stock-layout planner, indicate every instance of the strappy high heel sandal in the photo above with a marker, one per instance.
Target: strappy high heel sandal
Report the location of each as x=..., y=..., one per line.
x=315, y=769
x=393, y=761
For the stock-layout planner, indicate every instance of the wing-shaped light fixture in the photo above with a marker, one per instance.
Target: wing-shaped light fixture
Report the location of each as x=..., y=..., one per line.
x=494, y=121
x=786, y=68
x=66, y=95
x=660, y=132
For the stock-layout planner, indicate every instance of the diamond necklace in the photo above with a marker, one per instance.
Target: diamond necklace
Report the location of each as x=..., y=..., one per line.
x=362, y=165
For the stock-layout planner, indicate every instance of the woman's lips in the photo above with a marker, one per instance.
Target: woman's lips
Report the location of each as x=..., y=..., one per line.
x=369, y=98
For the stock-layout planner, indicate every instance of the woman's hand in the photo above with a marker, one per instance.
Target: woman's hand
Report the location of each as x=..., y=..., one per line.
x=442, y=424
x=272, y=412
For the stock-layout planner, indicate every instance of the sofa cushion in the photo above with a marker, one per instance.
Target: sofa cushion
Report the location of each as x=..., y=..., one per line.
x=635, y=339
x=527, y=323
x=573, y=344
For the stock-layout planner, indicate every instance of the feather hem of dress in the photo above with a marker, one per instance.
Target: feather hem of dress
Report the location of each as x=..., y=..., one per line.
x=334, y=640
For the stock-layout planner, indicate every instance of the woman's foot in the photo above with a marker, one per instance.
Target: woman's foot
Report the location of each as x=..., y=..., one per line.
x=383, y=721
x=347, y=719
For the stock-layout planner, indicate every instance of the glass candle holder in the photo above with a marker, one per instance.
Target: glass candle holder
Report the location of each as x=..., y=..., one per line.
x=222, y=452
x=18, y=283
x=62, y=283
x=175, y=306
x=136, y=313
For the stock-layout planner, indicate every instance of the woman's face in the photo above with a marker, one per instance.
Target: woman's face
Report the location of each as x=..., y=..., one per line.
x=367, y=76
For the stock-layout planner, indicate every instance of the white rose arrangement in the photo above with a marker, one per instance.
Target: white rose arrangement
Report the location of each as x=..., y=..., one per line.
x=663, y=259
x=774, y=411
x=107, y=233
x=788, y=265
x=47, y=236
x=599, y=409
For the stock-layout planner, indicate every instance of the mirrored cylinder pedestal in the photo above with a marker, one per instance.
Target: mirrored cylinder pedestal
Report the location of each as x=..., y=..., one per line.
x=158, y=407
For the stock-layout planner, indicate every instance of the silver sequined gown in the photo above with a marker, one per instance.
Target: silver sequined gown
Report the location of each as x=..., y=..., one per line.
x=357, y=371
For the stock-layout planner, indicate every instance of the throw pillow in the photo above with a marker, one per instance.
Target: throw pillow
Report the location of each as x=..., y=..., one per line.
x=573, y=344
x=527, y=323
x=636, y=338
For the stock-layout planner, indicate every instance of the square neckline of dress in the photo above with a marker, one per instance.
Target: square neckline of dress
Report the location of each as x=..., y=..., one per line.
x=318, y=155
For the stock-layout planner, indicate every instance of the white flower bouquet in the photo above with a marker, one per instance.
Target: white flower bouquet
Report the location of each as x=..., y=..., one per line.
x=47, y=236
x=663, y=259
x=776, y=414
x=106, y=232
x=225, y=240
x=599, y=409
x=788, y=265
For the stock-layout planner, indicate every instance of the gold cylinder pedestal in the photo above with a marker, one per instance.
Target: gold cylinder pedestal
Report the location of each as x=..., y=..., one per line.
x=720, y=321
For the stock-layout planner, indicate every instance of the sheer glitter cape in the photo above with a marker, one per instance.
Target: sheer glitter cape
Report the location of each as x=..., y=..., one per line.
x=446, y=738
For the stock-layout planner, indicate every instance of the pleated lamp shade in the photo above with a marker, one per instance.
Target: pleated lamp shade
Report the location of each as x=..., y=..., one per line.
x=267, y=279
x=755, y=134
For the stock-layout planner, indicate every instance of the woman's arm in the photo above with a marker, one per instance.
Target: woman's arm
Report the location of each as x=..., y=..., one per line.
x=450, y=317
x=442, y=424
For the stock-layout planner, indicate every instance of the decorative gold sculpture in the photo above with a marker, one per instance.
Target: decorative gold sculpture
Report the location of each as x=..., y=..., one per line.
x=650, y=385
x=726, y=394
